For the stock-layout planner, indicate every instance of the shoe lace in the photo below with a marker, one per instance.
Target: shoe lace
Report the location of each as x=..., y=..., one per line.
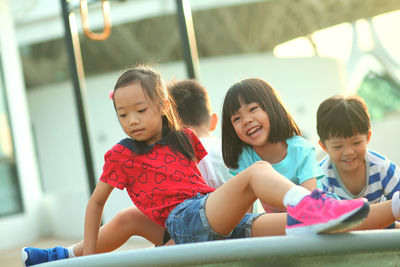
x=330, y=192
x=326, y=193
x=318, y=194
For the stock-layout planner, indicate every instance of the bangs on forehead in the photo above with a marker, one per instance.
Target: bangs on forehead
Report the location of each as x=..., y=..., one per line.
x=147, y=81
x=238, y=96
x=345, y=126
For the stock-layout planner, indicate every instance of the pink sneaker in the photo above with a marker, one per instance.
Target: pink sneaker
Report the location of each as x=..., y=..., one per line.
x=318, y=213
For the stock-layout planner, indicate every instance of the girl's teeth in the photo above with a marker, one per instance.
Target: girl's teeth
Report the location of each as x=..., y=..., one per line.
x=252, y=131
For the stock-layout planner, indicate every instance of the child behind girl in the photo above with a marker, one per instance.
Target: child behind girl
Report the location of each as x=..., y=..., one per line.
x=257, y=127
x=157, y=165
x=353, y=171
x=194, y=108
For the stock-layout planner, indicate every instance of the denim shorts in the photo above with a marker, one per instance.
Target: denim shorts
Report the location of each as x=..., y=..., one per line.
x=187, y=223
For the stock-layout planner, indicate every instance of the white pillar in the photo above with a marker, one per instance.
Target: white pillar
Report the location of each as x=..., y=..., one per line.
x=19, y=228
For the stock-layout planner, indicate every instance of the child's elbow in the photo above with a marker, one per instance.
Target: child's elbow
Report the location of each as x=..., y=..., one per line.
x=96, y=202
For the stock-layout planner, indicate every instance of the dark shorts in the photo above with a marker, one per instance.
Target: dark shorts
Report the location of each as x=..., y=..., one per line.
x=392, y=226
x=187, y=223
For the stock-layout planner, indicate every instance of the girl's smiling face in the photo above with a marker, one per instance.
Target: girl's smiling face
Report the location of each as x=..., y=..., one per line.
x=140, y=118
x=251, y=124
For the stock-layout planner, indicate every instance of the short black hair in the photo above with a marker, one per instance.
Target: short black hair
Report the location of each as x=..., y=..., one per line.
x=192, y=101
x=343, y=117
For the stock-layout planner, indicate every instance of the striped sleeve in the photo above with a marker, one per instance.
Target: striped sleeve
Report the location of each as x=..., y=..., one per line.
x=387, y=172
x=391, y=180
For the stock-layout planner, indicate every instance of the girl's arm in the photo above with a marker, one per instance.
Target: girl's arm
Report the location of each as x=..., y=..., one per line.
x=310, y=184
x=94, y=213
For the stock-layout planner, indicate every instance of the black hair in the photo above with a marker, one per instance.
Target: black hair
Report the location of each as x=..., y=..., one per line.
x=342, y=117
x=192, y=101
x=153, y=87
x=282, y=125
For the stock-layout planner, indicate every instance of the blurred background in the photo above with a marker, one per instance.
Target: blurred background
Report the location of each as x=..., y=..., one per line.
x=307, y=49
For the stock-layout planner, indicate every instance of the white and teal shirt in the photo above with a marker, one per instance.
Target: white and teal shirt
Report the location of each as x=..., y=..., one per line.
x=299, y=165
x=212, y=166
x=383, y=179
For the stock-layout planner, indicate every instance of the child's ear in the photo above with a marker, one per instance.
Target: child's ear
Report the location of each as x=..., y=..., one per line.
x=369, y=136
x=322, y=145
x=165, y=107
x=213, y=122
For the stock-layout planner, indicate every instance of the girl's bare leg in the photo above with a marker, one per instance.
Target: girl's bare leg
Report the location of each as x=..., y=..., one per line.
x=226, y=206
x=125, y=224
x=379, y=217
x=269, y=224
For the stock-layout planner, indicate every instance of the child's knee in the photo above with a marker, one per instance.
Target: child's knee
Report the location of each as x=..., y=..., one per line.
x=261, y=166
x=127, y=216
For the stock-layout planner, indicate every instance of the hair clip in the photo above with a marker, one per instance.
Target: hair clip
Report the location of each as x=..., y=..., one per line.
x=111, y=94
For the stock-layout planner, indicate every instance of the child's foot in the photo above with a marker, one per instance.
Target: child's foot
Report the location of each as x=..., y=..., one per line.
x=31, y=256
x=318, y=213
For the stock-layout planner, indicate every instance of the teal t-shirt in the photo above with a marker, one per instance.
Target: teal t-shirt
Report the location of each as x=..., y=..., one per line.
x=299, y=165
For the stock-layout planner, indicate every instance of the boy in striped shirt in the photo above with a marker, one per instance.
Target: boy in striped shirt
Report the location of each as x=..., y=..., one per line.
x=351, y=170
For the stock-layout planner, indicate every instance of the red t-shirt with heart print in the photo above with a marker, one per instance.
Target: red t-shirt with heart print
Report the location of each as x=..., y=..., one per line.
x=156, y=178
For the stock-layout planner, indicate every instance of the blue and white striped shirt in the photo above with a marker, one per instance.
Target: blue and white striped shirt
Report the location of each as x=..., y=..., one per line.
x=383, y=179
